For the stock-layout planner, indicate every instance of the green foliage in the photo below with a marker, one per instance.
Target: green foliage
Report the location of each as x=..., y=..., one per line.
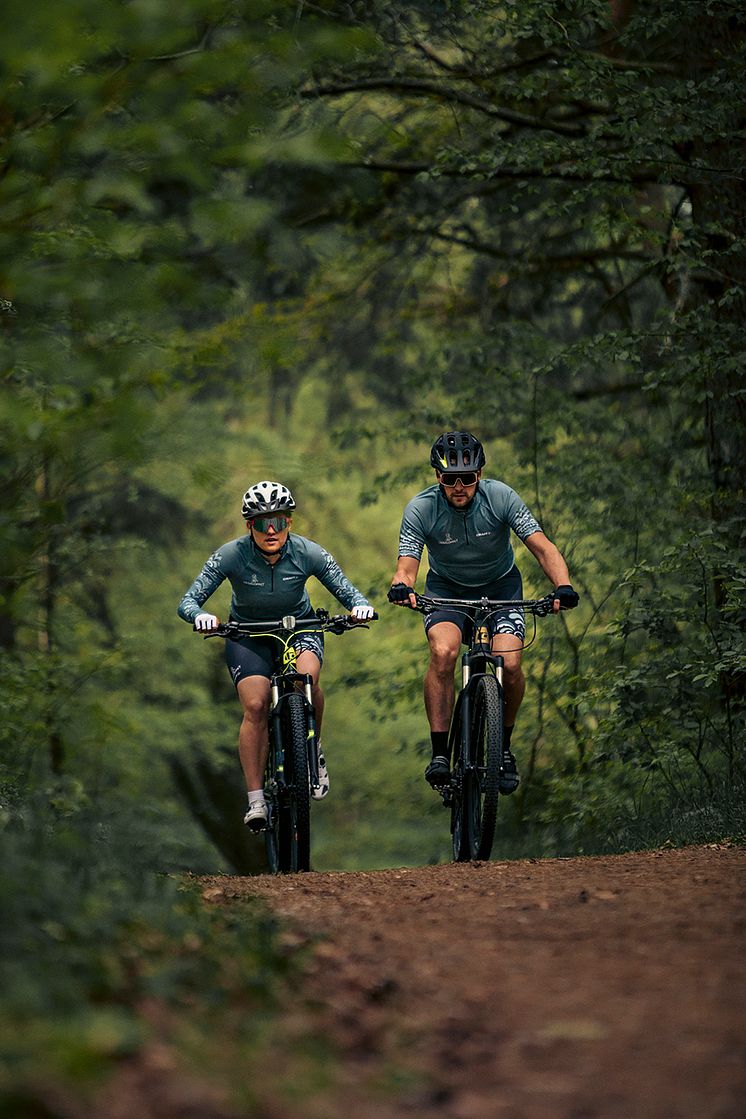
x=91, y=933
x=242, y=241
x=675, y=710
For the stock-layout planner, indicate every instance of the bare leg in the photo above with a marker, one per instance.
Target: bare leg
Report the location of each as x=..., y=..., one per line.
x=253, y=742
x=444, y=640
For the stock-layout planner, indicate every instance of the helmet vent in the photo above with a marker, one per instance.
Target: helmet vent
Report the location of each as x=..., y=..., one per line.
x=457, y=450
x=267, y=497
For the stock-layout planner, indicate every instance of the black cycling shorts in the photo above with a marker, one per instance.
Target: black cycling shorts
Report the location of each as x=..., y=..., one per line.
x=261, y=656
x=509, y=586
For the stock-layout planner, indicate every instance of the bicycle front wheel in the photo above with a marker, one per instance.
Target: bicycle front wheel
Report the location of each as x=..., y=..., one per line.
x=295, y=814
x=482, y=784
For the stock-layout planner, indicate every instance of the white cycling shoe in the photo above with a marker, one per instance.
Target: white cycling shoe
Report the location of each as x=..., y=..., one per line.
x=256, y=817
x=323, y=787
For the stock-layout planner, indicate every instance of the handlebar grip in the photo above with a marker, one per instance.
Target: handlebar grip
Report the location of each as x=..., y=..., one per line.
x=224, y=629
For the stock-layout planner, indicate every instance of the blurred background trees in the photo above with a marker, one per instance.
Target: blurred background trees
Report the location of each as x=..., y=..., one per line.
x=241, y=240
x=296, y=240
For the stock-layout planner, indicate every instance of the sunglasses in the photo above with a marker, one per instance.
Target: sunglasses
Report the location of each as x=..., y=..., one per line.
x=277, y=522
x=466, y=477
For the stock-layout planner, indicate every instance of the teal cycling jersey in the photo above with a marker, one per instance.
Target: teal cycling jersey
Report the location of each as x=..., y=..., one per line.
x=469, y=547
x=265, y=591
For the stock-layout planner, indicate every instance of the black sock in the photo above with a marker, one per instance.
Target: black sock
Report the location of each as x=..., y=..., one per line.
x=507, y=734
x=439, y=741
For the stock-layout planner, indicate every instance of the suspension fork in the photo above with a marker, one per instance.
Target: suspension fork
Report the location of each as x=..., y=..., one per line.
x=275, y=732
x=280, y=687
x=312, y=741
x=475, y=661
x=465, y=710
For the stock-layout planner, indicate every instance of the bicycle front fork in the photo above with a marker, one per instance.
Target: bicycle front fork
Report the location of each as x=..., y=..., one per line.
x=475, y=663
x=280, y=687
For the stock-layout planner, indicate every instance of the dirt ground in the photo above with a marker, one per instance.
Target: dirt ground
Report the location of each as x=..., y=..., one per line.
x=540, y=989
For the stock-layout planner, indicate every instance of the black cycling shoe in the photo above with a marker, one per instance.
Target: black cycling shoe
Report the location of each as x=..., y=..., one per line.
x=438, y=772
x=509, y=779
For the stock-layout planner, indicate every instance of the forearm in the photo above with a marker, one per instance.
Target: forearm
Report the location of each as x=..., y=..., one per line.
x=549, y=558
x=206, y=583
x=406, y=571
x=335, y=581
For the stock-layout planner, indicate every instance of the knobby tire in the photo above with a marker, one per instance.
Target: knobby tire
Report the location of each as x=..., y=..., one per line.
x=295, y=813
x=483, y=786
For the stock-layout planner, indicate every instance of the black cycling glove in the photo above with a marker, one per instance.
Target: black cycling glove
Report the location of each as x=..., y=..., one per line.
x=400, y=592
x=568, y=598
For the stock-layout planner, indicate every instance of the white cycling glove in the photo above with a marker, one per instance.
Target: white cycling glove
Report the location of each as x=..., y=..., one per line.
x=362, y=613
x=206, y=622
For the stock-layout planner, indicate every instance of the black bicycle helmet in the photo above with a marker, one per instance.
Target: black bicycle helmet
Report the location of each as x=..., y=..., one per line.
x=267, y=497
x=457, y=450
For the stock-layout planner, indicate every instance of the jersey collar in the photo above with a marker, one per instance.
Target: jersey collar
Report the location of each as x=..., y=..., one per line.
x=258, y=551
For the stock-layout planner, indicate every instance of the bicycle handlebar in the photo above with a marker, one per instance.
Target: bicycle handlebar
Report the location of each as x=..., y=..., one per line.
x=321, y=621
x=540, y=607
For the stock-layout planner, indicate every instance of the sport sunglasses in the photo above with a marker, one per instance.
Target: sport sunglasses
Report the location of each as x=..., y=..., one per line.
x=277, y=521
x=468, y=478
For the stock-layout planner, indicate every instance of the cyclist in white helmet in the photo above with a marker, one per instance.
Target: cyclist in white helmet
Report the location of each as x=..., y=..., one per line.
x=268, y=570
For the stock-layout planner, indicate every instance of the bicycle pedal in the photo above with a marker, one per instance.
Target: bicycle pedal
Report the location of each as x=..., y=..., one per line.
x=256, y=827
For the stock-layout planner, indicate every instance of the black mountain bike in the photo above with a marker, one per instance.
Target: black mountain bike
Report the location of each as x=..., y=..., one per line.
x=476, y=737
x=292, y=765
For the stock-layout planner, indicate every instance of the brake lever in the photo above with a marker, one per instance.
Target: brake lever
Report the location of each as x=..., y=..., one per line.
x=545, y=608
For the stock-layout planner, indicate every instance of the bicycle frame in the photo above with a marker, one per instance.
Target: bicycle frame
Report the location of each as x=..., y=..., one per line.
x=478, y=660
x=473, y=791
x=287, y=789
x=282, y=684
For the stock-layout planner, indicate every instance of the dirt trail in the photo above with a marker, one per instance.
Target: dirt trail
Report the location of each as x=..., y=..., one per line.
x=566, y=989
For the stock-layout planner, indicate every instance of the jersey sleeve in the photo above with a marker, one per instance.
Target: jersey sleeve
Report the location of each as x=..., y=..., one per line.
x=519, y=516
x=330, y=575
x=411, y=533
x=206, y=583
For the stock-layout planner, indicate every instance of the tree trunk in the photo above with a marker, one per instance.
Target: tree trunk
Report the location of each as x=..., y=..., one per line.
x=719, y=215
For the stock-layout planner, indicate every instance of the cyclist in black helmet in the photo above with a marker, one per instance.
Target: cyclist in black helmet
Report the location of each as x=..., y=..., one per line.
x=268, y=570
x=464, y=521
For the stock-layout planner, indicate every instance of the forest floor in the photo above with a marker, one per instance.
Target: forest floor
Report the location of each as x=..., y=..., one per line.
x=608, y=987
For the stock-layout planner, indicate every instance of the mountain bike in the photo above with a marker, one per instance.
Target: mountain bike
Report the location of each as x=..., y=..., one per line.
x=476, y=735
x=292, y=764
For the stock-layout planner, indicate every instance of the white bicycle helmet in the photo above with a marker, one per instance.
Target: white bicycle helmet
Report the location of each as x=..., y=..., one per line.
x=267, y=497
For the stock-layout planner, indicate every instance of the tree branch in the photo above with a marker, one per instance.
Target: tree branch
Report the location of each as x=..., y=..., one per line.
x=425, y=87
x=615, y=388
x=641, y=175
x=560, y=260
